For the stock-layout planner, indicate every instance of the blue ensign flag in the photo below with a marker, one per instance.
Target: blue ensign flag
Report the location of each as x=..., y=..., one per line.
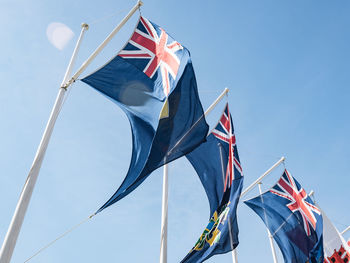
x=153, y=81
x=293, y=219
x=217, y=164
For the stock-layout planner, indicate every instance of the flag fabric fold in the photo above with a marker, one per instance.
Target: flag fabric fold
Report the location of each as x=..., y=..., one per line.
x=217, y=164
x=152, y=80
x=293, y=220
x=336, y=249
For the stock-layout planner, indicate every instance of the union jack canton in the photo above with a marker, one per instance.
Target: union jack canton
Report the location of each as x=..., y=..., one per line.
x=287, y=187
x=153, y=51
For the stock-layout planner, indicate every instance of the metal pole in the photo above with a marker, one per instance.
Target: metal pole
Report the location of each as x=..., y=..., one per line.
x=23, y=202
x=104, y=43
x=164, y=223
x=164, y=226
x=234, y=252
x=345, y=230
x=269, y=235
x=17, y=220
x=212, y=106
x=234, y=256
x=249, y=188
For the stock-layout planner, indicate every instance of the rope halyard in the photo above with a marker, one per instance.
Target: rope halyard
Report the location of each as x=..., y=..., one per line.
x=59, y=237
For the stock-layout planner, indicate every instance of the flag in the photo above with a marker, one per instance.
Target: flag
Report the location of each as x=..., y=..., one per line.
x=152, y=80
x=218, y=166
x=293, y=220
x=335, y=248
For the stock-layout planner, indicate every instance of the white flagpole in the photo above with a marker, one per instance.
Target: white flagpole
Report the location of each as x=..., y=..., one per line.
x=249, y=188
x=234, y=252
x=212, y=106
x=345, y=230
x=164, y=222
x=258, y=182
x=234, y=256
x=273, y=250
x=22, y=205
x=104, y=43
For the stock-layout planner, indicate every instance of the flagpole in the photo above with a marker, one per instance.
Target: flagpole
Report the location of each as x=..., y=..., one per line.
x=234, y=256
x=104, y=43
x=234, y=252
x=218, y=99
x=164, y=222
x=345, y=230
x=23, y=202
x=273, y=250
x=249, y=188
x=22, y=205
x=258, y=182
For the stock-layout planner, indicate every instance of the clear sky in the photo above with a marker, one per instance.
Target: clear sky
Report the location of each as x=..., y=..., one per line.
x=286, y=64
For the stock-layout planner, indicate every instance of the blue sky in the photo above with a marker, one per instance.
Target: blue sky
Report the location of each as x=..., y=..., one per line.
x=286, y=64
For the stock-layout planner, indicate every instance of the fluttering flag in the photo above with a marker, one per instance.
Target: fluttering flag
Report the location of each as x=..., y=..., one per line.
x=293, y=219
x=335, y=248
x=152, y=80
x=217, y=164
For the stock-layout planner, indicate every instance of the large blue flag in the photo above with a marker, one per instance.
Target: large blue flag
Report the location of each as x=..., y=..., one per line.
x=153, y=81
x=293, y=220
x=218, y=166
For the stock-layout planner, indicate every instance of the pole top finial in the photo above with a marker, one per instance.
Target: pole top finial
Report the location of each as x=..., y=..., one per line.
x=84, y=25
x=140, y=3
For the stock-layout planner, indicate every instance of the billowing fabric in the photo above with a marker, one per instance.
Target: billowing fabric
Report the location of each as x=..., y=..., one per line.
x=336, y=249
x=153, y=81
x=293, y=219
x=218, y=166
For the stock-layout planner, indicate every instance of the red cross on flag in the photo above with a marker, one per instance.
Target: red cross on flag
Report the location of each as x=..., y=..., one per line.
x=153, y=51
x=297, y=198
